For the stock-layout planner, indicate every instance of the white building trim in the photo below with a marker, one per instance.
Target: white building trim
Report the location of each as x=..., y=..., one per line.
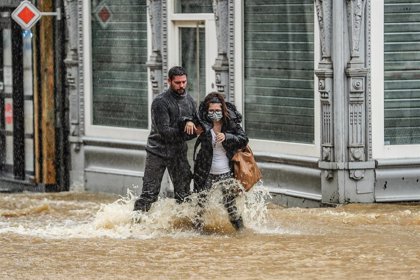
x=379, y=149
x=97, y=130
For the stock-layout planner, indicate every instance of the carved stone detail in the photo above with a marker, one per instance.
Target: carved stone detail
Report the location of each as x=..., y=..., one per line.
x=164, y=42
x=324, y=13
x=71, y=63
x=155, y=60
x=327, y=134
x=81, y=93
x=325, y=79
x=368, y=94
x=357, y=118
x=221, y=65
x=355, y=13
x=231, y=51
x=357, y=174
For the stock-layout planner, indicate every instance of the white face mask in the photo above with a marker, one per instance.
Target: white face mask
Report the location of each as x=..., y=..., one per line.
x=215, y=116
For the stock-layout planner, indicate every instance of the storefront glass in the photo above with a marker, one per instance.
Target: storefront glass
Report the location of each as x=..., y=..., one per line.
x=402, y=72
x=119, y=55
x=279, y=70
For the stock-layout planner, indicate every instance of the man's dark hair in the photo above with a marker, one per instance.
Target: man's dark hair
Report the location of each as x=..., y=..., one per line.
x=176, y=71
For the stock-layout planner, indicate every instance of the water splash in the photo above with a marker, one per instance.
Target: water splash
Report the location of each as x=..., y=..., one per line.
x=168, y=216
x=65, y=216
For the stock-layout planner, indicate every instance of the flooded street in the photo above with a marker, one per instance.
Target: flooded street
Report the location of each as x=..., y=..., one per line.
x=95, y=236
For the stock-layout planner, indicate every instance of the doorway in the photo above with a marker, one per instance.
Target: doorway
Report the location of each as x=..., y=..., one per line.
x=196, y=51
x=192, y=54
x=16, y=105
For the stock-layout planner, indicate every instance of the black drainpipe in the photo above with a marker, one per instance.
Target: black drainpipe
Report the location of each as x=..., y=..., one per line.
x=61, y=101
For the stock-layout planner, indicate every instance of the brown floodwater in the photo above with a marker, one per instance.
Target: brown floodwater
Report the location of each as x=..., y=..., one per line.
x=97, y=236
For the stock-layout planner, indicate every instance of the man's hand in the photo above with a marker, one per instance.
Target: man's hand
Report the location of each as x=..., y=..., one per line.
x=190, y=128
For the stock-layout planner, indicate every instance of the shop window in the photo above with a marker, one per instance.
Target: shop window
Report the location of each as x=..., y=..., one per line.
x=402, y=72
x=119, y=72
x=279, y=70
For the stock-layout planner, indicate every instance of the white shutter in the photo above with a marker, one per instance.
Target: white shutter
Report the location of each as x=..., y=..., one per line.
x=402, y=71
x=279, y=70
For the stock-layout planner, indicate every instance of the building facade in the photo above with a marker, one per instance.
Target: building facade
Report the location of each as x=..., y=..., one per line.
x=329, y=89
x=33, y=122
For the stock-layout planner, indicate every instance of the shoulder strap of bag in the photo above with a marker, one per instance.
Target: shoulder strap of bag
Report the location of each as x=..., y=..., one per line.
x=195, y=147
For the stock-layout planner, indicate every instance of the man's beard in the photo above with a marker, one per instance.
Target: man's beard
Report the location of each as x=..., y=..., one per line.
x=179, y=91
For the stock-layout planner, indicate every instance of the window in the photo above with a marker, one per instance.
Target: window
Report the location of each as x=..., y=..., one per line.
x=192, y=55
x=279, y=70
x=193, y=6
x=119, y=73
x=401, y=72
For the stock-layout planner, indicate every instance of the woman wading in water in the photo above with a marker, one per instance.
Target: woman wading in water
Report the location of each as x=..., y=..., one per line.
x=222, y=136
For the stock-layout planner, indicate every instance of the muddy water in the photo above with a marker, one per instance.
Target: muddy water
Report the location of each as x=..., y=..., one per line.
x=97, y=236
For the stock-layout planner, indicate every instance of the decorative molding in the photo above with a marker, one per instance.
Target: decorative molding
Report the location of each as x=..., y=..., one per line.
x=356, y=74
x=357, y=174
x=357, y=114
x=325, y=79
x=164, y=38
x=71, y=63
x=368, y=83
x=355, y=13
x=325, y=89
x=324, y=13
x=231, y=50
x=155, y=60
x=221, y=65
x=81, y=51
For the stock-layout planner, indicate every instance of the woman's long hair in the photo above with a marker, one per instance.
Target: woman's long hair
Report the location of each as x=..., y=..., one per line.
x=215, y=97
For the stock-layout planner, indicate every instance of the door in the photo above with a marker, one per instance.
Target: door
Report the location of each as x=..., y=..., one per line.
x=16, y=102
x=192, y=55
x=196, y=50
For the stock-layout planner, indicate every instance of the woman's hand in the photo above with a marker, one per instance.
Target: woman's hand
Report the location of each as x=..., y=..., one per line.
x=220, y=137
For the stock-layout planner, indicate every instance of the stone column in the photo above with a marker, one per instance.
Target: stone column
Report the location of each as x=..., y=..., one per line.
x=74, y=91
x=155, y=60
x=221, y=65
x=361, y=166
x=325, y=76
x=347, y=168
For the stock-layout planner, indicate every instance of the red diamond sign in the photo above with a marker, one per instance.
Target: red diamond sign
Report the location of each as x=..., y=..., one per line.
x=26, y=15
x=103, y=14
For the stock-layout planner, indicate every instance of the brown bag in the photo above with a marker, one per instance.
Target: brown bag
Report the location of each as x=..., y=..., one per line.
x=245, y=168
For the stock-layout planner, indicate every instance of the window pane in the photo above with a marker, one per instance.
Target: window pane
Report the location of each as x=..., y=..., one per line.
x=279, y=70
x=402, y=72
x=192, y=59
x=193, y=6
x=119, y=53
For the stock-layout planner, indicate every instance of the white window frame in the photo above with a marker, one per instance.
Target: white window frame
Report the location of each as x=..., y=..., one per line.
x=379, y=149
x=109, y=132
x=269, y=146
x=179, y=20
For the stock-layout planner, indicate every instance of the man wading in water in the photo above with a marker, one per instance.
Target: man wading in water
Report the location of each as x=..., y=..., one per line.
x=173, y=112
